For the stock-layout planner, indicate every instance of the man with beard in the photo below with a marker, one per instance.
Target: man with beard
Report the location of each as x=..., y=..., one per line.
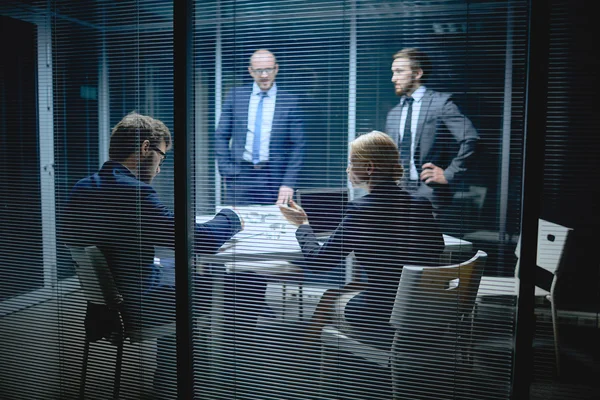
x=436, y=141
x=260, y=138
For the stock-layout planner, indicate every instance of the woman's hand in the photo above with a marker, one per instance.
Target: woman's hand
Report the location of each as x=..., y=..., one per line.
x=294, y=213
x=242, y=222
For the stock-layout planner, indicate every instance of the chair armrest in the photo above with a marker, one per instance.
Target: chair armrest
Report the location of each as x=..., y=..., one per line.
x=328, y=306
x=331, y=336
x=339, y=308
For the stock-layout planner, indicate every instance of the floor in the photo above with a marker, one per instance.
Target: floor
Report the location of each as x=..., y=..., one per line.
x=277, y=362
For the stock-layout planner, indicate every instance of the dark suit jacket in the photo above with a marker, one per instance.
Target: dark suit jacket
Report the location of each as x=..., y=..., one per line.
x=124, y=217
x=444, y=137
x=286, y=148
x=386, y=229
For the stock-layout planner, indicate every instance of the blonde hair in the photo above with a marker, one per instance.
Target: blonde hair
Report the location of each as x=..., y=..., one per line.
x=379, y=149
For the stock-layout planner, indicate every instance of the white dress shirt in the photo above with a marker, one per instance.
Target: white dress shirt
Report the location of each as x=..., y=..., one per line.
x=267, y=122
x=416, y=109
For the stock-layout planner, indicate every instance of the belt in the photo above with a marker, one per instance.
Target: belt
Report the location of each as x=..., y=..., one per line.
x=260, y=165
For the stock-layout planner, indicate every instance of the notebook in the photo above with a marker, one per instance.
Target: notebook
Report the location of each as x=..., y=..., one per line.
x=325, y=208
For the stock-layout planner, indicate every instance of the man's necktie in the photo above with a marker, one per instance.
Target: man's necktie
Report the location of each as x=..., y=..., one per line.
x=407, y=138
x=257, y=128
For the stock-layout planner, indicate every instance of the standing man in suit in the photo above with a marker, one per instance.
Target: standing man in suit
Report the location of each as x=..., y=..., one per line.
x=260, y=138
x=435, y=139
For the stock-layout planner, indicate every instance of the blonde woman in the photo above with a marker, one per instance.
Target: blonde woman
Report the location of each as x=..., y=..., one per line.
x=386, y=229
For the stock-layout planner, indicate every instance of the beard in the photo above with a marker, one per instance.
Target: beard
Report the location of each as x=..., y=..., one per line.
x=407, y=89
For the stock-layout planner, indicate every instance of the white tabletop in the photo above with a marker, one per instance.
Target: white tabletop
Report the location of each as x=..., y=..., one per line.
x=452, y=243
x=268, y=236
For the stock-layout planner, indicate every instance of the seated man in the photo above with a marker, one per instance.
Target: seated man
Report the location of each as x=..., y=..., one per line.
x=117, y=210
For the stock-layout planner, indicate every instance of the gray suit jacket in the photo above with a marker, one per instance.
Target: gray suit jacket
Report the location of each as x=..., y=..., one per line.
x=444, y=137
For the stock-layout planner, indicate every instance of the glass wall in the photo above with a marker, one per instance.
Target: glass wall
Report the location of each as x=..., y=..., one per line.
x=278, y=311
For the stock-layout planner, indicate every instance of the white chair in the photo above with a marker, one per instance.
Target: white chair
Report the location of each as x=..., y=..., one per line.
x=552, y=240
x=431, y=317
x=104, y=316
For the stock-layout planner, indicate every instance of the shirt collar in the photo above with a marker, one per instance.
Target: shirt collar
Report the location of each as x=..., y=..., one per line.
x=270, y=93
x=114, y=165
x=417, y=94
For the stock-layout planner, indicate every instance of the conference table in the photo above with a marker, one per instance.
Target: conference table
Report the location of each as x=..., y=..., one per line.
x=267, y=245
x=268, y=236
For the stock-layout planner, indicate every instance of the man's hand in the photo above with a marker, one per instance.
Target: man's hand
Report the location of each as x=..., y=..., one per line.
x=285, y=195
x=433, y=174
x=294, y=213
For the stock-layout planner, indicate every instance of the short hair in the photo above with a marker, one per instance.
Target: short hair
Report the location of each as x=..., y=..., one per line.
x=128, y=135
x=418, y=60
x=378, y=148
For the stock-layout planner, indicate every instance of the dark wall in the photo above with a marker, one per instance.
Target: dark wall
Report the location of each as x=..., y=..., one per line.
x=571, y=190
x=20, y=200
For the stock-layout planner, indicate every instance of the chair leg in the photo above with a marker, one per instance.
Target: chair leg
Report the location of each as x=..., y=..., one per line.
x=300, y=302
x=393, y=361
x=86, y=352
x=117, y=384
x=283, y=299
x=329, y=362
x=555, y=331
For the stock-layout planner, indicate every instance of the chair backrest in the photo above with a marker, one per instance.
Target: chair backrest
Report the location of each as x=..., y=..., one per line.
x=95, y=277
x=432, y=297
x=552, y=239
x=551, y=245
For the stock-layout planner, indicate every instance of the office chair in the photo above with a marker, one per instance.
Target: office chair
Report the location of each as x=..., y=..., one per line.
x=433, y=304
x=104, y=316
x=552, y=240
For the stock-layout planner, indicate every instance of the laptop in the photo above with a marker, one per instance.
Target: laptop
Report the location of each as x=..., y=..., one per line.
x=325, y=208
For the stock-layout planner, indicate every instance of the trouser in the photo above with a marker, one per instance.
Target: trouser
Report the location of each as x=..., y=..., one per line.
x=253, y=185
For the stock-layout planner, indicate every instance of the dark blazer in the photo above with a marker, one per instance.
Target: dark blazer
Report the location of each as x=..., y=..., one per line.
x=124, y=217
x=286, y=148
x=386, y=229
x=444, y=137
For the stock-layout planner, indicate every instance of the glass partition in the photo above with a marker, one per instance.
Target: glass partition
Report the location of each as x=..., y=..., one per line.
x=393, y=285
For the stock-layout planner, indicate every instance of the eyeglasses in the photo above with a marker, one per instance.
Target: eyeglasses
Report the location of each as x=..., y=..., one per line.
x=162, y=154
x=261, y=71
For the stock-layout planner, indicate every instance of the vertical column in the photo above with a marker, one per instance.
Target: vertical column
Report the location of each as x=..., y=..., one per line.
x=46, y=145
x=533, y=167
x=183, y=123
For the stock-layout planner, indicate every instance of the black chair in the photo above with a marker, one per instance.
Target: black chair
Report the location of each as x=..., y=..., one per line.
x=105, y=318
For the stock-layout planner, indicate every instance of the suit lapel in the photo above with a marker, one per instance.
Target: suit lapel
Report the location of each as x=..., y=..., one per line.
x=397, y=117
x=425, y=107
x=243, y=102
x=278, y=114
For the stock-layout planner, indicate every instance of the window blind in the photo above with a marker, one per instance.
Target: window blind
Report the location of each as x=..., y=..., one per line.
x=562, y=342
x=337, y=59
x=112, y=59
x=391, y=305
